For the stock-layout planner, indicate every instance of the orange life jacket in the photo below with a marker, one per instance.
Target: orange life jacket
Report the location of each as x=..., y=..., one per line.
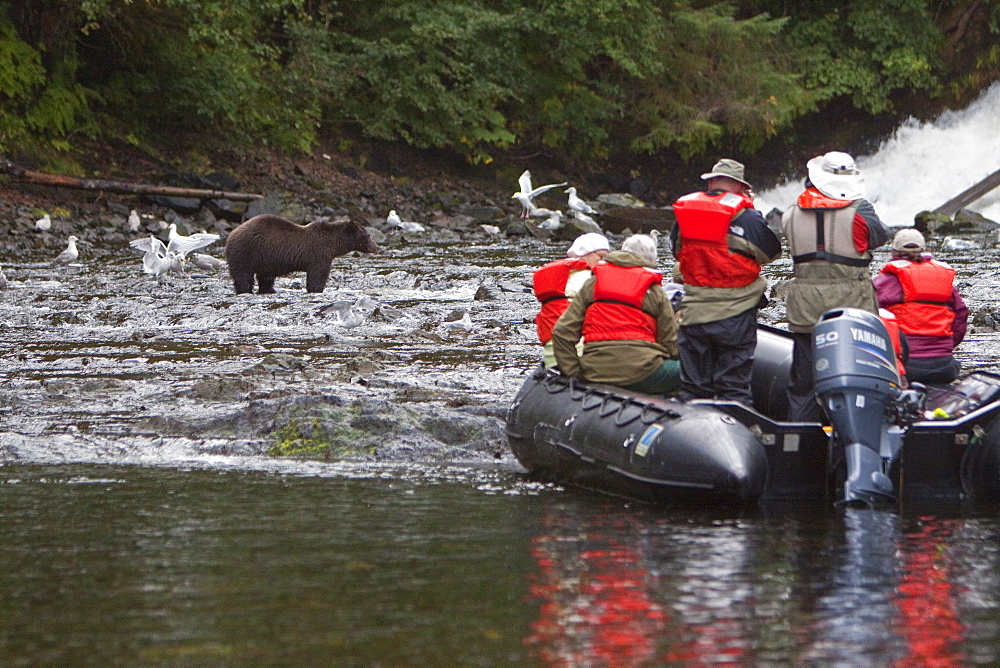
x=705, y=258
x=549, y=284
x=926, y=296
x=892, y=327
x=617, y=309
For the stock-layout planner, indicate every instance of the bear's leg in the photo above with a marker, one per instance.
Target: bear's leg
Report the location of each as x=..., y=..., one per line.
x=265, y=285
x=316, y=278
x=242, y=281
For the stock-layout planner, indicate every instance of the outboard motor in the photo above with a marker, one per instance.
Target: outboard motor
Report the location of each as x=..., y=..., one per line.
x=859, y=387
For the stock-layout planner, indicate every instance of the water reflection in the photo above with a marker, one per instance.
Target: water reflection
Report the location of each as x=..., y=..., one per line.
x=319, y=566
x=853, y=587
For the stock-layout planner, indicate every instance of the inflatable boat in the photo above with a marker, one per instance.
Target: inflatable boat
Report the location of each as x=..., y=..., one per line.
x=884, y=443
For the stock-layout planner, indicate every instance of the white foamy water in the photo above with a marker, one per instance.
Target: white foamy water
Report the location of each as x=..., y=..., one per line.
x=923, y=165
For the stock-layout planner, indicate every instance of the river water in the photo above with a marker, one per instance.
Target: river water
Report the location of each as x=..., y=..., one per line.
x=146, y=520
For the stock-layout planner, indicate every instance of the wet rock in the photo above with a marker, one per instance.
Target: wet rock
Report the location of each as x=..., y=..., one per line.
x=620, y=199
x=279, y=363
x=974, y=221
x=485, y=293
x=221, y=389
x=929, y=222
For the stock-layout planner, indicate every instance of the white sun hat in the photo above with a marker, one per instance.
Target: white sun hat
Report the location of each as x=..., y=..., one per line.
x=585, y=244
x=835, y=175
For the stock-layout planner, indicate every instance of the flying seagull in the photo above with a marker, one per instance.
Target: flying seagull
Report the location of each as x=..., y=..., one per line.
x=526, y=194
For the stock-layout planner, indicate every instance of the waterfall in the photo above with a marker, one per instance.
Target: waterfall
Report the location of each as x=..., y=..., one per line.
x=923, y=165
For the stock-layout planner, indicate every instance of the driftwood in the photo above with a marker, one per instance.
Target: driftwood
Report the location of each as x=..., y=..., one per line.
x=970, y=195
x=41, y=178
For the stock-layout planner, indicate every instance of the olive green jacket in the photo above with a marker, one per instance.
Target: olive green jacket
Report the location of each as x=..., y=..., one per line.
x=620, y=362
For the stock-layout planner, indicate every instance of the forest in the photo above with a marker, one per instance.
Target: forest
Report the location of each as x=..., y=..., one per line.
x=587, y=80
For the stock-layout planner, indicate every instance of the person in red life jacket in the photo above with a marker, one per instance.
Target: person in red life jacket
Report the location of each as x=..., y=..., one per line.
x=556, y=283
x=720, y=242
x=920, y=291
x=831, y=231
x=628, y=326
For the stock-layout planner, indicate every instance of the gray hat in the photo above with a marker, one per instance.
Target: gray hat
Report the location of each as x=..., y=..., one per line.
x=728, y=168
x=908, y=239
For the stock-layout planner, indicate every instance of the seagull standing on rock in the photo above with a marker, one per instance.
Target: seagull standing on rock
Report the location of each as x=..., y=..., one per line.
x=133, y=221
x=44, y=223
x=68, y=255
x=464, y=323
x=553, y=222
x=207, y=262
x=394, y=220
x=3, y=280
x=577, y=204
x=527, y=193
x=350, y=314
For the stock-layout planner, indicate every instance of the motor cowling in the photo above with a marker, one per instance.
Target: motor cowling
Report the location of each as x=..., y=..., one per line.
x=857, y=383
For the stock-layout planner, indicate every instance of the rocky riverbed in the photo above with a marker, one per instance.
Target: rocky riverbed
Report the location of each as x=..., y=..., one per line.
x=101, y=363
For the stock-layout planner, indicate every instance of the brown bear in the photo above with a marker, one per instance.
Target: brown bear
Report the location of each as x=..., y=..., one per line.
x=269, y=246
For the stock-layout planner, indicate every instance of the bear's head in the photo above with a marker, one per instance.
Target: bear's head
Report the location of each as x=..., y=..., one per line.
x=345, y=235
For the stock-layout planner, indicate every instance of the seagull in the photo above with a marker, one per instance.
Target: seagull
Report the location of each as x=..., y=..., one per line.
x=394, y=220
x=553, y=222
x=463, y=323
x=538, y=212
x=3, y=280
x=527, y=193
x=350, y=314
x=953, y=244
x=159, y=259
x=133, y=221
x=490, y=229
x=183, y=245
x=44, y=223
x=68, y=255
x=578, y=204
x=587, y=221
x=207, y=262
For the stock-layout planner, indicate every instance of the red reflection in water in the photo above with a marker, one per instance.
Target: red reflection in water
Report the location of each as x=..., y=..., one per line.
x=929, y=615
x=595, y=605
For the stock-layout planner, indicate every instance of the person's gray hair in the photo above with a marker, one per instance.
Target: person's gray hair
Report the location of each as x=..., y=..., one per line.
x=641, y=245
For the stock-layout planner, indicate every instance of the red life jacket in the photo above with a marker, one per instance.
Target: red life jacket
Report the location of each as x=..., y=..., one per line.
x=705, y=258
x=616, y=313
x=549, y=283
x=892, y=327
x=926, y=297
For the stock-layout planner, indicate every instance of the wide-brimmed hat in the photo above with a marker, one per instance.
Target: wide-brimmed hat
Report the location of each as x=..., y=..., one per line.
x=835, y=175
x=729, y=168
x=908, y=239
x=588, y=243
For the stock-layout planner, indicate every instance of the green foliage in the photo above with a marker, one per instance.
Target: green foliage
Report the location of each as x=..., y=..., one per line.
x=38, y=107
x=723, y=77
x=866, y=49
x=583, y=78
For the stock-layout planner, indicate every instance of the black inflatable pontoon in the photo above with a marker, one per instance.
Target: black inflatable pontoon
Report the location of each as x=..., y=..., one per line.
x=884, y=443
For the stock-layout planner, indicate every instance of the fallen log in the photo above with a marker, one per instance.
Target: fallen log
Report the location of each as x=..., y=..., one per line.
x=969, y=195
x=41, y=178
